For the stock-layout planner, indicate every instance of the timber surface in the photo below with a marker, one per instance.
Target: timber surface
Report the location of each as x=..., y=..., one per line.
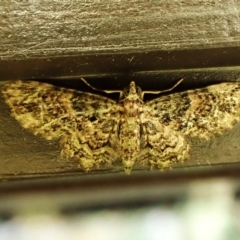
x=154, y=43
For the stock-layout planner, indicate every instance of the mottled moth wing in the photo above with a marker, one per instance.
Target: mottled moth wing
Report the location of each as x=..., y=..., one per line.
x=199, y=113
x=71, y=115
x=162, y=147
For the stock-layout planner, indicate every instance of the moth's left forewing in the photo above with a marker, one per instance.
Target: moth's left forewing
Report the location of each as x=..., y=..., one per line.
x=49, y=110
x=200, y=113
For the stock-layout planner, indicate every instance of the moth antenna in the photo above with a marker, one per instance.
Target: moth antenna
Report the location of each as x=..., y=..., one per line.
x=101, y=90
x=162, y=91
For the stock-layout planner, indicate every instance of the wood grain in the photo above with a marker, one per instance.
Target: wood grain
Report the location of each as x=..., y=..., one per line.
x=112, y=42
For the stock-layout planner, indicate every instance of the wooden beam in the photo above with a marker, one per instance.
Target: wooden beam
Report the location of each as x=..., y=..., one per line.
x=153, y=43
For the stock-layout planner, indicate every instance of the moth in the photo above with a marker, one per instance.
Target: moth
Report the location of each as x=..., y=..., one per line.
x=98, y=131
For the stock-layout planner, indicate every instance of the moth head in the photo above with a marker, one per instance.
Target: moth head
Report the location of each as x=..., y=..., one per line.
x=132, y=92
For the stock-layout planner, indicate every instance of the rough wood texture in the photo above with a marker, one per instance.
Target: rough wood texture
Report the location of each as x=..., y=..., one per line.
x=41, y=39
x=71, y=27
x=151, y=42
